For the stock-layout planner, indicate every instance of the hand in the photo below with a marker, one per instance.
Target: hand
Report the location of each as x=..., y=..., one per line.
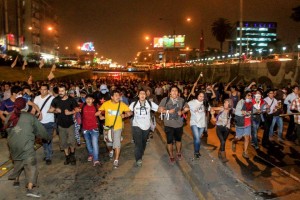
x=57, y=110
x=253, y=83
x=123, y=116
x=172, y=111
x=244, y=112
x=40, y=117
x=101, y=117
x=180, y=112
x=67, y=112
x=77, y=109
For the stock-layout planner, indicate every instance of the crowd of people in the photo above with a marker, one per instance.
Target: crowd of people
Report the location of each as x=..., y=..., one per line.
x=89, y=108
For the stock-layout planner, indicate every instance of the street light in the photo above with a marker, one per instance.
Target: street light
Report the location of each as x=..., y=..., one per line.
x=298, y=50
x=283, y=49
x=271, y=50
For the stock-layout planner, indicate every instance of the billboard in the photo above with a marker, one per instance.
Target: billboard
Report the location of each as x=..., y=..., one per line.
x=88, y=46
x=169, y=41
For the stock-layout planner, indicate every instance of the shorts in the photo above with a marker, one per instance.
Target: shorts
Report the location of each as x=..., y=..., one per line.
x=116, y=135
x=30, y=167
x=242, y=131
x=173, y=133
x=67, y=137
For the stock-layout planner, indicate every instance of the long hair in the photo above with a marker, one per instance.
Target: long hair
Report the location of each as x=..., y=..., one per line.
x=19, y=104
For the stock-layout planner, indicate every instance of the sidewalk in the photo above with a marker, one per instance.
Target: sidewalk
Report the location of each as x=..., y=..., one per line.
x=156, y=179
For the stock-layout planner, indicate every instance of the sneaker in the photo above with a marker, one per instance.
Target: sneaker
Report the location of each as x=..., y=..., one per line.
x=179, y=156
x=32, y=193
x=271, y=139
x=197, y=156
x=233, y=146
x=280, y=140
x=16, y=184
x=256, y=147
x=97, y=163
x=245, y=155
x=132, y=141
x=90, y=158
x=111, y=154
x=48, y=162
x=172, y=161
x=151, y=135
x=139, y=163
x=116, y=164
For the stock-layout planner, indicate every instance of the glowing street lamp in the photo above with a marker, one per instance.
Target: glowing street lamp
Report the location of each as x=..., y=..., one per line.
x=30, y=28
x=50, y=28
x=271, y=50
x=298, y=50
x=283, y=49
x=66, y=48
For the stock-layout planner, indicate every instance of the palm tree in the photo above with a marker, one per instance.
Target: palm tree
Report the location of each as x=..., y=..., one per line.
x=296, y=14
x=221, y=29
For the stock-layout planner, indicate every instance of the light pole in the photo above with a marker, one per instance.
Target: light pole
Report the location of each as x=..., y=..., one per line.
x=283, y=49
x=241, y=25
x=271, y=50
x=298, y=50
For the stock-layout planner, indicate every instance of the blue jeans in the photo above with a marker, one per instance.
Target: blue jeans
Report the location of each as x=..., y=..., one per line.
x=197, y=133
x=254, y=130
x=91, y=140
x=276, y=120
x=47, y=145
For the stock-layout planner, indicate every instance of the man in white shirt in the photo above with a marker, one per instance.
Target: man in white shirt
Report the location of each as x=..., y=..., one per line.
x=271, y=103
x=288, y=100
x=141, y=123
x=44, y=103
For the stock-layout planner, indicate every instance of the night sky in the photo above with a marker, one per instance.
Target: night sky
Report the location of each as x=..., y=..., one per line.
x=118, y=27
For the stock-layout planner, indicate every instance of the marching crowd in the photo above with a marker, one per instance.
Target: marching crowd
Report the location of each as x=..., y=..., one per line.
x=94, y=107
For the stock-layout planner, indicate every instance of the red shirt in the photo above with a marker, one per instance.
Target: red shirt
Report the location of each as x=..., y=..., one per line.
x=89, y=120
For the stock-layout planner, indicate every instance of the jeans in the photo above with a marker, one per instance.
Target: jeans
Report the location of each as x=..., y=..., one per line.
x=47, y=145
x=222, y=133
x=276, y=120
x=254, y=130
x=197, y=133
x=91, y=139
x=140, y=140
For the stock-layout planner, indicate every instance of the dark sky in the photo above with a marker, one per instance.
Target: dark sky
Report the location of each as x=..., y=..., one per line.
x=118, y=27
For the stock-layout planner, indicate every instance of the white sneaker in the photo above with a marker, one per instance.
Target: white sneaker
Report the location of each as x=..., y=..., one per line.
x=116, y=164
x=111, y=154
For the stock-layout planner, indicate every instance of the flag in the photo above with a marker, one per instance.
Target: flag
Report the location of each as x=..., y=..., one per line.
x=50, y=76
x=42, y=62
x=53, y=68
x=24, y=64
x=14, y=63
x=29, y=80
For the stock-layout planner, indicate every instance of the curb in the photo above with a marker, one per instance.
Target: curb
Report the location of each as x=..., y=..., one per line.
x=183, y=166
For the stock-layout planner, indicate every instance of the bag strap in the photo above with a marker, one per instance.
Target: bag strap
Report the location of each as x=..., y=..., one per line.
x=45, y=103
x=116, y=115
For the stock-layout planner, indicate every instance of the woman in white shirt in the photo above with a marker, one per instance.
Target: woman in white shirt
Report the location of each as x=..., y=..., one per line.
x=198, y=121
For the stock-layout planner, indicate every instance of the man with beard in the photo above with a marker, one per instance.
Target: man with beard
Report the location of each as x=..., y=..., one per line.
x=65, y=107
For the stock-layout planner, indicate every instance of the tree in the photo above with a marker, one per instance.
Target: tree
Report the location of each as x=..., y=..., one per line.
x=221, y=29
x=296, y=14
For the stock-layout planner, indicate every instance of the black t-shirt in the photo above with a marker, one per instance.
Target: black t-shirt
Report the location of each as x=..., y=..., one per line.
x=70, y=104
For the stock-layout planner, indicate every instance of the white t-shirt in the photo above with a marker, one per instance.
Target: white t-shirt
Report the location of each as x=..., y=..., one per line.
x=142, y=115
x=39, y=101
x=198, y=115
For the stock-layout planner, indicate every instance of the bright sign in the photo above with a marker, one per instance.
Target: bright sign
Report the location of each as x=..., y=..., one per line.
x=169, y=41
x=88, y=46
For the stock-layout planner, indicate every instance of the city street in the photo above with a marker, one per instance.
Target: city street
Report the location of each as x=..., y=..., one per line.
x=268, y=174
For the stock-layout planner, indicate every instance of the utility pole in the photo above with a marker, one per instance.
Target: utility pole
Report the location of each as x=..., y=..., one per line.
x=241, y=25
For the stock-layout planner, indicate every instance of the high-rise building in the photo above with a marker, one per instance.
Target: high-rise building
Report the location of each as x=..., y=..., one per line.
x=29, y=26
x=256, y=36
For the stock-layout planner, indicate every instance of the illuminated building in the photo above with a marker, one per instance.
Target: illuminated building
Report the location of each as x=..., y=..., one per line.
x=29, y=26
x=256, y=36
